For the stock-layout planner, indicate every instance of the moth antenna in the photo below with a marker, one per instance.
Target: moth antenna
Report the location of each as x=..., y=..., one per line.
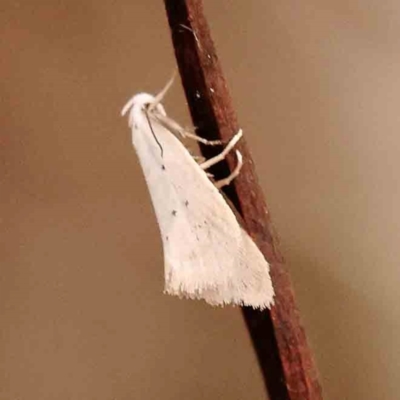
x=160, y=96
x=127, y=106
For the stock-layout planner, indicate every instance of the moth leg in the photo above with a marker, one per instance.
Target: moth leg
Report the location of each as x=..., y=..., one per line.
x=176, y=129
x=187, y=134
x=221, y=156
x=226, y=181
x=199, y=159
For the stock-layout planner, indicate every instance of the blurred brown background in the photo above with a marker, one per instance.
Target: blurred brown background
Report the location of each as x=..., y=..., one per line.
x=317, y=88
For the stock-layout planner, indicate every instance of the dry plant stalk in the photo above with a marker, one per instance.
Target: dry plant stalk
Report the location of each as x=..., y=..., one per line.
x=278, y=337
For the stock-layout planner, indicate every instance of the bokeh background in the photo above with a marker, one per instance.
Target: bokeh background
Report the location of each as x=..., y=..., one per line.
x=82, y=316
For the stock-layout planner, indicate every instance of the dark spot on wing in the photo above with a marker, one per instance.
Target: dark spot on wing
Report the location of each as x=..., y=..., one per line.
x=163, y=167
x=186, y=203
x=174, y=212
x=166, y=238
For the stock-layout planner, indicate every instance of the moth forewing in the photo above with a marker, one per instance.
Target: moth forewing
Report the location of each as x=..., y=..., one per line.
x=207, y=254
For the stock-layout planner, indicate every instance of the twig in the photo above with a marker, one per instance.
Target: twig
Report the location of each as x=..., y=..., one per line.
x=278, y=337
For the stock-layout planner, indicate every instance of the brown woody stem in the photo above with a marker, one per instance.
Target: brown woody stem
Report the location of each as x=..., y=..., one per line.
x=278, y=337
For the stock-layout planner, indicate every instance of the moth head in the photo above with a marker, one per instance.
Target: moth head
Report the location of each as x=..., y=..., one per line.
x=142, y=102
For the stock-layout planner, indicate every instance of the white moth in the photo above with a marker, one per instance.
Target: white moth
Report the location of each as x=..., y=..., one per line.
x=207, y=254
